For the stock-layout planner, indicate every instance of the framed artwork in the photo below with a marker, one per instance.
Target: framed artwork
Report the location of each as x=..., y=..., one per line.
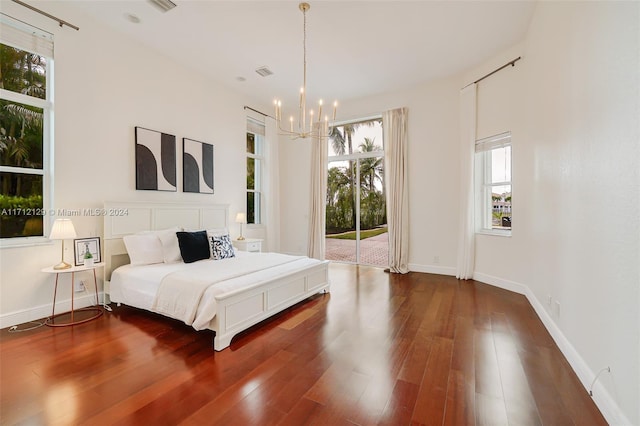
x=197, y=166
x=155, y=160
x=82, y=245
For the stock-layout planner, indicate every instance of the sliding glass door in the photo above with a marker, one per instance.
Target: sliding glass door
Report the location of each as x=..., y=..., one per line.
x=356, y=221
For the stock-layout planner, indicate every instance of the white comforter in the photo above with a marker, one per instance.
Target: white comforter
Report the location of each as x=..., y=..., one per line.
x=189, y=292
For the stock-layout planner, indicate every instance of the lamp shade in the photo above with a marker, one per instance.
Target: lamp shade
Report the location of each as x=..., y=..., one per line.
x=62, y=230
x=241, y=218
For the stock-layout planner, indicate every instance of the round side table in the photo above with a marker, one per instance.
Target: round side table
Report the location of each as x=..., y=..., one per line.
x=96, y=310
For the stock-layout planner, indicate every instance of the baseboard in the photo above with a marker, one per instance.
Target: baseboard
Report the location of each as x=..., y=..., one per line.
x=501, y=283
x=607, y=405
x=44, y=311
x=433, y=269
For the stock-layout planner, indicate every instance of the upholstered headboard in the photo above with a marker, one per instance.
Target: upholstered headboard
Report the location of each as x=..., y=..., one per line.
x=124, y=218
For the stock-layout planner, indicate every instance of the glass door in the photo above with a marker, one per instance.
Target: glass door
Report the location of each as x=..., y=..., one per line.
x=356, y=220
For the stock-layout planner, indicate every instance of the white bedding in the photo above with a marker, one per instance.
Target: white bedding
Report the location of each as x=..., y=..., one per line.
x=138, y=286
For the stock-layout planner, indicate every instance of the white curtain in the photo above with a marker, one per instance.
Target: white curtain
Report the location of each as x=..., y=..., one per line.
x=466, y=227
x=394, y=124
x=272, y=185
x=318, y=192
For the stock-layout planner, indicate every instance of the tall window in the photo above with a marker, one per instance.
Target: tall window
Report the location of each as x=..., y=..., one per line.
x=255, y=166
x=493, y=184
x=26, y=106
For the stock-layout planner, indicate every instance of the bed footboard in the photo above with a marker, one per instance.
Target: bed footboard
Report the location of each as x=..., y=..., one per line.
x=240, y=311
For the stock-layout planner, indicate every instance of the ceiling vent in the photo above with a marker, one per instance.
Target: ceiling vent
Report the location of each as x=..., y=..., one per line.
x=163, y=5
x=264, y=71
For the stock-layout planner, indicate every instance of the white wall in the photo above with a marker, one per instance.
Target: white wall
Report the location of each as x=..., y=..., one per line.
x=585, y=161
x=574, y=106
x=500, y=109
x=433, y=154
x=106, y=85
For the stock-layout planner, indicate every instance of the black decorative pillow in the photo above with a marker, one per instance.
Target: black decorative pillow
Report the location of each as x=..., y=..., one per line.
x=193, y=246
x=221, y=247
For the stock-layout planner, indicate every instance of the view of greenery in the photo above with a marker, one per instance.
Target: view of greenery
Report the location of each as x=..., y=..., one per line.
x=341, y=183
x=253, y=181
x=351, y=235
x=21, y=140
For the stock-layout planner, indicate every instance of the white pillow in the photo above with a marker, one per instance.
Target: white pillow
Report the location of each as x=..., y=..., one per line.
x=143, y=249
x=169, y=242
x=170, y=247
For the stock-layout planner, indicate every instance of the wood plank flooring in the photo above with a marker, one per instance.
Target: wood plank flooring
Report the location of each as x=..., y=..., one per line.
x=380, y=349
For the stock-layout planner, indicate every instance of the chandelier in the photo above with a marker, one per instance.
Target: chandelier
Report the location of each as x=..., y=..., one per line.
x=303, y=128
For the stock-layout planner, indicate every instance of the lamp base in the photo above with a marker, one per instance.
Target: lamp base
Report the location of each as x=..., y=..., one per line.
x=62, y=265
x=240, y=238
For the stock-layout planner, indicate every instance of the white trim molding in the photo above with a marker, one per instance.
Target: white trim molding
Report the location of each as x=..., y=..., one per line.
x=433, y=269
x=44, y=311
x=603, y=400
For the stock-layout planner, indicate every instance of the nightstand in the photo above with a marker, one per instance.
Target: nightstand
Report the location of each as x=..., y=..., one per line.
x=95, y=309
x=248, y=244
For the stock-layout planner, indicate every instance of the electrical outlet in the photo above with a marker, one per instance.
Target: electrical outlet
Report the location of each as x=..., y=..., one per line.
x=436, y=260
x=556, y=309
x=549, y=301
x=80, y=286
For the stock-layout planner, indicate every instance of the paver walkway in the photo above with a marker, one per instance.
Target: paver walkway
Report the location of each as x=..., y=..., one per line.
x=373, y=251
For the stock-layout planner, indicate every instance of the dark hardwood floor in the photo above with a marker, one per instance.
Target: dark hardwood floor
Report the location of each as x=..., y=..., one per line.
x=380, y=349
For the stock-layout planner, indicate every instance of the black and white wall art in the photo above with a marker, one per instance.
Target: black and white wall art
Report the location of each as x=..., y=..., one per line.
x=197, y=166
x=155, y=160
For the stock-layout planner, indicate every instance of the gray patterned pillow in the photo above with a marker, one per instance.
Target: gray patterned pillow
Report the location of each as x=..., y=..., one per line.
x=221, y=247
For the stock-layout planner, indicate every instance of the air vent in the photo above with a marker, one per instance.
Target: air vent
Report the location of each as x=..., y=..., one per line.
x=264, y=71
x=163, y=5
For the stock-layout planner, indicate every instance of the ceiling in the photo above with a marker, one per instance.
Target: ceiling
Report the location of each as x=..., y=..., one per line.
x=354, y=48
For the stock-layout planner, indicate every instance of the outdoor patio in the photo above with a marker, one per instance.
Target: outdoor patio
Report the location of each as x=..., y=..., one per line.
x=373, y=250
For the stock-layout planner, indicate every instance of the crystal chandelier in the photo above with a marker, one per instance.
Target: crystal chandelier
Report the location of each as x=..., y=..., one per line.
x=303, y=128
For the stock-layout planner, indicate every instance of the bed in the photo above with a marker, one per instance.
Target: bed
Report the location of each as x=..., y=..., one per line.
x=226, y=296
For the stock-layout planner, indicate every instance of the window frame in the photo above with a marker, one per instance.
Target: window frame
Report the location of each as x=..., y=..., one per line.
x=483, y=183
x=47, y=170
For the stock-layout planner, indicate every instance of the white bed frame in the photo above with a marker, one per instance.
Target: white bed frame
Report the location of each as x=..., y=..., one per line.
x=237, y=311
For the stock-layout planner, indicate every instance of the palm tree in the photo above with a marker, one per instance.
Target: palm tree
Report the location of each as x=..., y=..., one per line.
x=337, y=139
x=342, y=143
x=370, y=168
x=372, y=205
x=21, y=125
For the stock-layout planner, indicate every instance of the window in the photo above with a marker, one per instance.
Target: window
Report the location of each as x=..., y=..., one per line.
x=25, y=121
x=255, y=166
x=493, y=184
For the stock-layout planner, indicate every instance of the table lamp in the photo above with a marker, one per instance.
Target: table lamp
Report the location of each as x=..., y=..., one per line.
x=62, y=230
x=241, y=218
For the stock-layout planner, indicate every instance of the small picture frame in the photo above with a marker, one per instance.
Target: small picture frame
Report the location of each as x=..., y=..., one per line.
x=80, y=247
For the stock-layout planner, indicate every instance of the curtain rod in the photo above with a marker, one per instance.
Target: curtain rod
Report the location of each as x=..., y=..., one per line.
x=512, y=63
x=61, y=22
x=259, y=112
